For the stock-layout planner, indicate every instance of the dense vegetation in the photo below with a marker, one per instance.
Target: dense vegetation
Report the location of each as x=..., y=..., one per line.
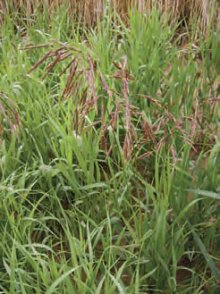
x=109, y=154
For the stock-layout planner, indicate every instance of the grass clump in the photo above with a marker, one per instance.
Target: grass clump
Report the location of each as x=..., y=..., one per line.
x=109, y=157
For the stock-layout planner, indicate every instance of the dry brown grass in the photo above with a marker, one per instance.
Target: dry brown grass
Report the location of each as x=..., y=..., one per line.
x=88, y=11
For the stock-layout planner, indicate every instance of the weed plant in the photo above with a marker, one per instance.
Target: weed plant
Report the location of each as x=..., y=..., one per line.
x=109, y=156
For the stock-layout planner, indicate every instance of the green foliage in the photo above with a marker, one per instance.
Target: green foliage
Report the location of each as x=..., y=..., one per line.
x=137, y=215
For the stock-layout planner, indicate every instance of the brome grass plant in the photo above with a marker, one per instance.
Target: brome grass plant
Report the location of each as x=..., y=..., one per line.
x=109, y=155
x=199, y=14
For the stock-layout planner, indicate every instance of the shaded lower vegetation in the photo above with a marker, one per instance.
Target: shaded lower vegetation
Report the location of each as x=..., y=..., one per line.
x=109, y=157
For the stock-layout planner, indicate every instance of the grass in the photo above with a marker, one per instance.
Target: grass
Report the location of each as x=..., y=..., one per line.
x=198, y=13
x=109, y=156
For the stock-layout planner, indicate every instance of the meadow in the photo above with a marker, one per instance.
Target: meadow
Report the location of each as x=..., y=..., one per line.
x=109, y=148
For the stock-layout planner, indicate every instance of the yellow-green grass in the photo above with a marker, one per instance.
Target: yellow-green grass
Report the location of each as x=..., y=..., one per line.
x=109, y=156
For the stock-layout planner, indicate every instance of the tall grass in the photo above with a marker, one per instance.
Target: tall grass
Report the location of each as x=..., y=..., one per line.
x=109, y=157
x=199, y=13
